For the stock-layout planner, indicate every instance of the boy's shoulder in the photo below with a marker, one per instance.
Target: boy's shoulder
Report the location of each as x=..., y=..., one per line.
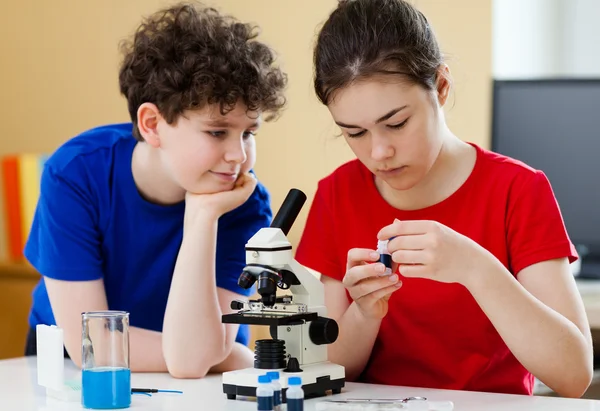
x=92, y=147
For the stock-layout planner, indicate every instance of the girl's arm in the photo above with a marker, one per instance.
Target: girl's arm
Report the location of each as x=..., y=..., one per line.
x=359, y=321
x=540, y=316
x=357, y=333
x=541, y=319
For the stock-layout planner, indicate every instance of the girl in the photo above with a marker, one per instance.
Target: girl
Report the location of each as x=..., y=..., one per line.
x=481, y=296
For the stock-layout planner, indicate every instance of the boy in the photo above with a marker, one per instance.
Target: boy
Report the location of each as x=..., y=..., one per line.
x=152, y=217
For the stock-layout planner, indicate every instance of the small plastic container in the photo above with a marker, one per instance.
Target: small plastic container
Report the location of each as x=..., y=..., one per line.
x=274, y=375
x=295, y=394
x=384, y=256
x=264, y=393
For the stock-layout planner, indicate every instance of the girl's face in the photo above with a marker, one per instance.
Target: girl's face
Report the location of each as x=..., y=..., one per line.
x=394, y=128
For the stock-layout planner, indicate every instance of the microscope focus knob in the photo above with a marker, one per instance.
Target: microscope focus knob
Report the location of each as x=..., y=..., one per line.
x=236, y=305
x=323, y=331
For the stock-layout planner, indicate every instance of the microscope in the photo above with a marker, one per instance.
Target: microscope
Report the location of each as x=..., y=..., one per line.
x=299, y=328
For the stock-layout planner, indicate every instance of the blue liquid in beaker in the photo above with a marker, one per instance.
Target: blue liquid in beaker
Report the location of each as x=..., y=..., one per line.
x=106, y=388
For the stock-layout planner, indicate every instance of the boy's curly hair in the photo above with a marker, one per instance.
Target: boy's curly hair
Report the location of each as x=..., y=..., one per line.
x=187, y=55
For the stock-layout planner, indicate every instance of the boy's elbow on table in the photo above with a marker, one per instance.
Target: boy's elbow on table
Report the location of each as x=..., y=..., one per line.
x=186, y=368
x=188, y=372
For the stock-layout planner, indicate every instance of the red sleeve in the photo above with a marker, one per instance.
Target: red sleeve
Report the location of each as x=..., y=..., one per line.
x=317, y=246
x=536, y=231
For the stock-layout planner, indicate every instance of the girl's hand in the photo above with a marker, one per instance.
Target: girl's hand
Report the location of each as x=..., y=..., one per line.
x=366, y=283
x=428, y=249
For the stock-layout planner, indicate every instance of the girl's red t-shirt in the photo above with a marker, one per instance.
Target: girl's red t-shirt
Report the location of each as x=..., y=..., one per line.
x=435, y=334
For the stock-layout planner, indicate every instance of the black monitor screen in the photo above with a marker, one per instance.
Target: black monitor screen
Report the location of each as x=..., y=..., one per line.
x=554, y=126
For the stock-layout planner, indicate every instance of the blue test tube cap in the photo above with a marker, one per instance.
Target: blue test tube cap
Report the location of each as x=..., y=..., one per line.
x=274, y=375
x=264, y=379
x=294, y=381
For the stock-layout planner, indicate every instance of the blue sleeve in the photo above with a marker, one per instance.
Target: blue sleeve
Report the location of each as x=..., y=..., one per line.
x=64, y=242
x=235, y=229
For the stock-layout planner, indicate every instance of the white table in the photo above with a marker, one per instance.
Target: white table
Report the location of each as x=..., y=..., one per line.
x=19, y=391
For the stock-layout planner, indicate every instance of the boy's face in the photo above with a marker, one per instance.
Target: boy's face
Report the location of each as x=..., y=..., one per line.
x=205, y=152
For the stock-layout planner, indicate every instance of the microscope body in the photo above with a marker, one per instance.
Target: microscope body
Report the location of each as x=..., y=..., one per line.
x=298, y=324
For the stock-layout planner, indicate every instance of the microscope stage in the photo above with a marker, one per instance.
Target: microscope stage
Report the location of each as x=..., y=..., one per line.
x=265, y=318
x=317, y=379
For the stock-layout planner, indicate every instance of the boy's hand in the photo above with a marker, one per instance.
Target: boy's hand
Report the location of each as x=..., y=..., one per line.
x=216, y=204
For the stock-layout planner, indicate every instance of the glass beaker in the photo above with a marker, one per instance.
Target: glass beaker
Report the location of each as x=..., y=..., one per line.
x=105, y=376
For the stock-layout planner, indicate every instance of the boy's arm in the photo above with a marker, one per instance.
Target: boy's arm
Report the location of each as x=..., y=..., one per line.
x=70, y=298
x=194, y=338
x=239, y=358
x=64, y=246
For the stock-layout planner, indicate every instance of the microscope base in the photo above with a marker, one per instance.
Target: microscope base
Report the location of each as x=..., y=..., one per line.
x=317, y=380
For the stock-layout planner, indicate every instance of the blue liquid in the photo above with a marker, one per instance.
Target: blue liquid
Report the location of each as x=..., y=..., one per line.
x=106, y=388
x=265, y=403
x=276, y=398
x=295, y=404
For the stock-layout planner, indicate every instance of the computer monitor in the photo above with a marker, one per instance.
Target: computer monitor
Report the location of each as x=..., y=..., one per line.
x=554, y=126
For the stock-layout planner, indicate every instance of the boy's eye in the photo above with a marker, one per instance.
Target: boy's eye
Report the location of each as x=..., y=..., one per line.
x=219, y=133
x=223, y=133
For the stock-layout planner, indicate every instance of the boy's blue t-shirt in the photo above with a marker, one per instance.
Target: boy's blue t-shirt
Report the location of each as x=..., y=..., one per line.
x=91, y=223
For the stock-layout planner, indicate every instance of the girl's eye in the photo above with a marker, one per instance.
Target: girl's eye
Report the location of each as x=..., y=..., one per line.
x=399, y=125
x=248, y=134
x=355, y=135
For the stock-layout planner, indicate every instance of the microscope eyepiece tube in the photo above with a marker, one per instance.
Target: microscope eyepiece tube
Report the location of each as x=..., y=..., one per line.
x=289, y=210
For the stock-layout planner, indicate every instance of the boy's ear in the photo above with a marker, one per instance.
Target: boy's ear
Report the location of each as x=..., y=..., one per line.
x=443, y=84
x=148, y=117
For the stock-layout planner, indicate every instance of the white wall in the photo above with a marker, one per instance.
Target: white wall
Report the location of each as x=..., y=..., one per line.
x=545, y=38
x=582, y=38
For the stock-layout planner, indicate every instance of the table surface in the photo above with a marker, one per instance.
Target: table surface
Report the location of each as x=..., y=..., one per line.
x=19, y=391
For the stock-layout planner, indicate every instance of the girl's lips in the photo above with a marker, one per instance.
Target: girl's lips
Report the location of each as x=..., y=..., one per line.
x=391, y=172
